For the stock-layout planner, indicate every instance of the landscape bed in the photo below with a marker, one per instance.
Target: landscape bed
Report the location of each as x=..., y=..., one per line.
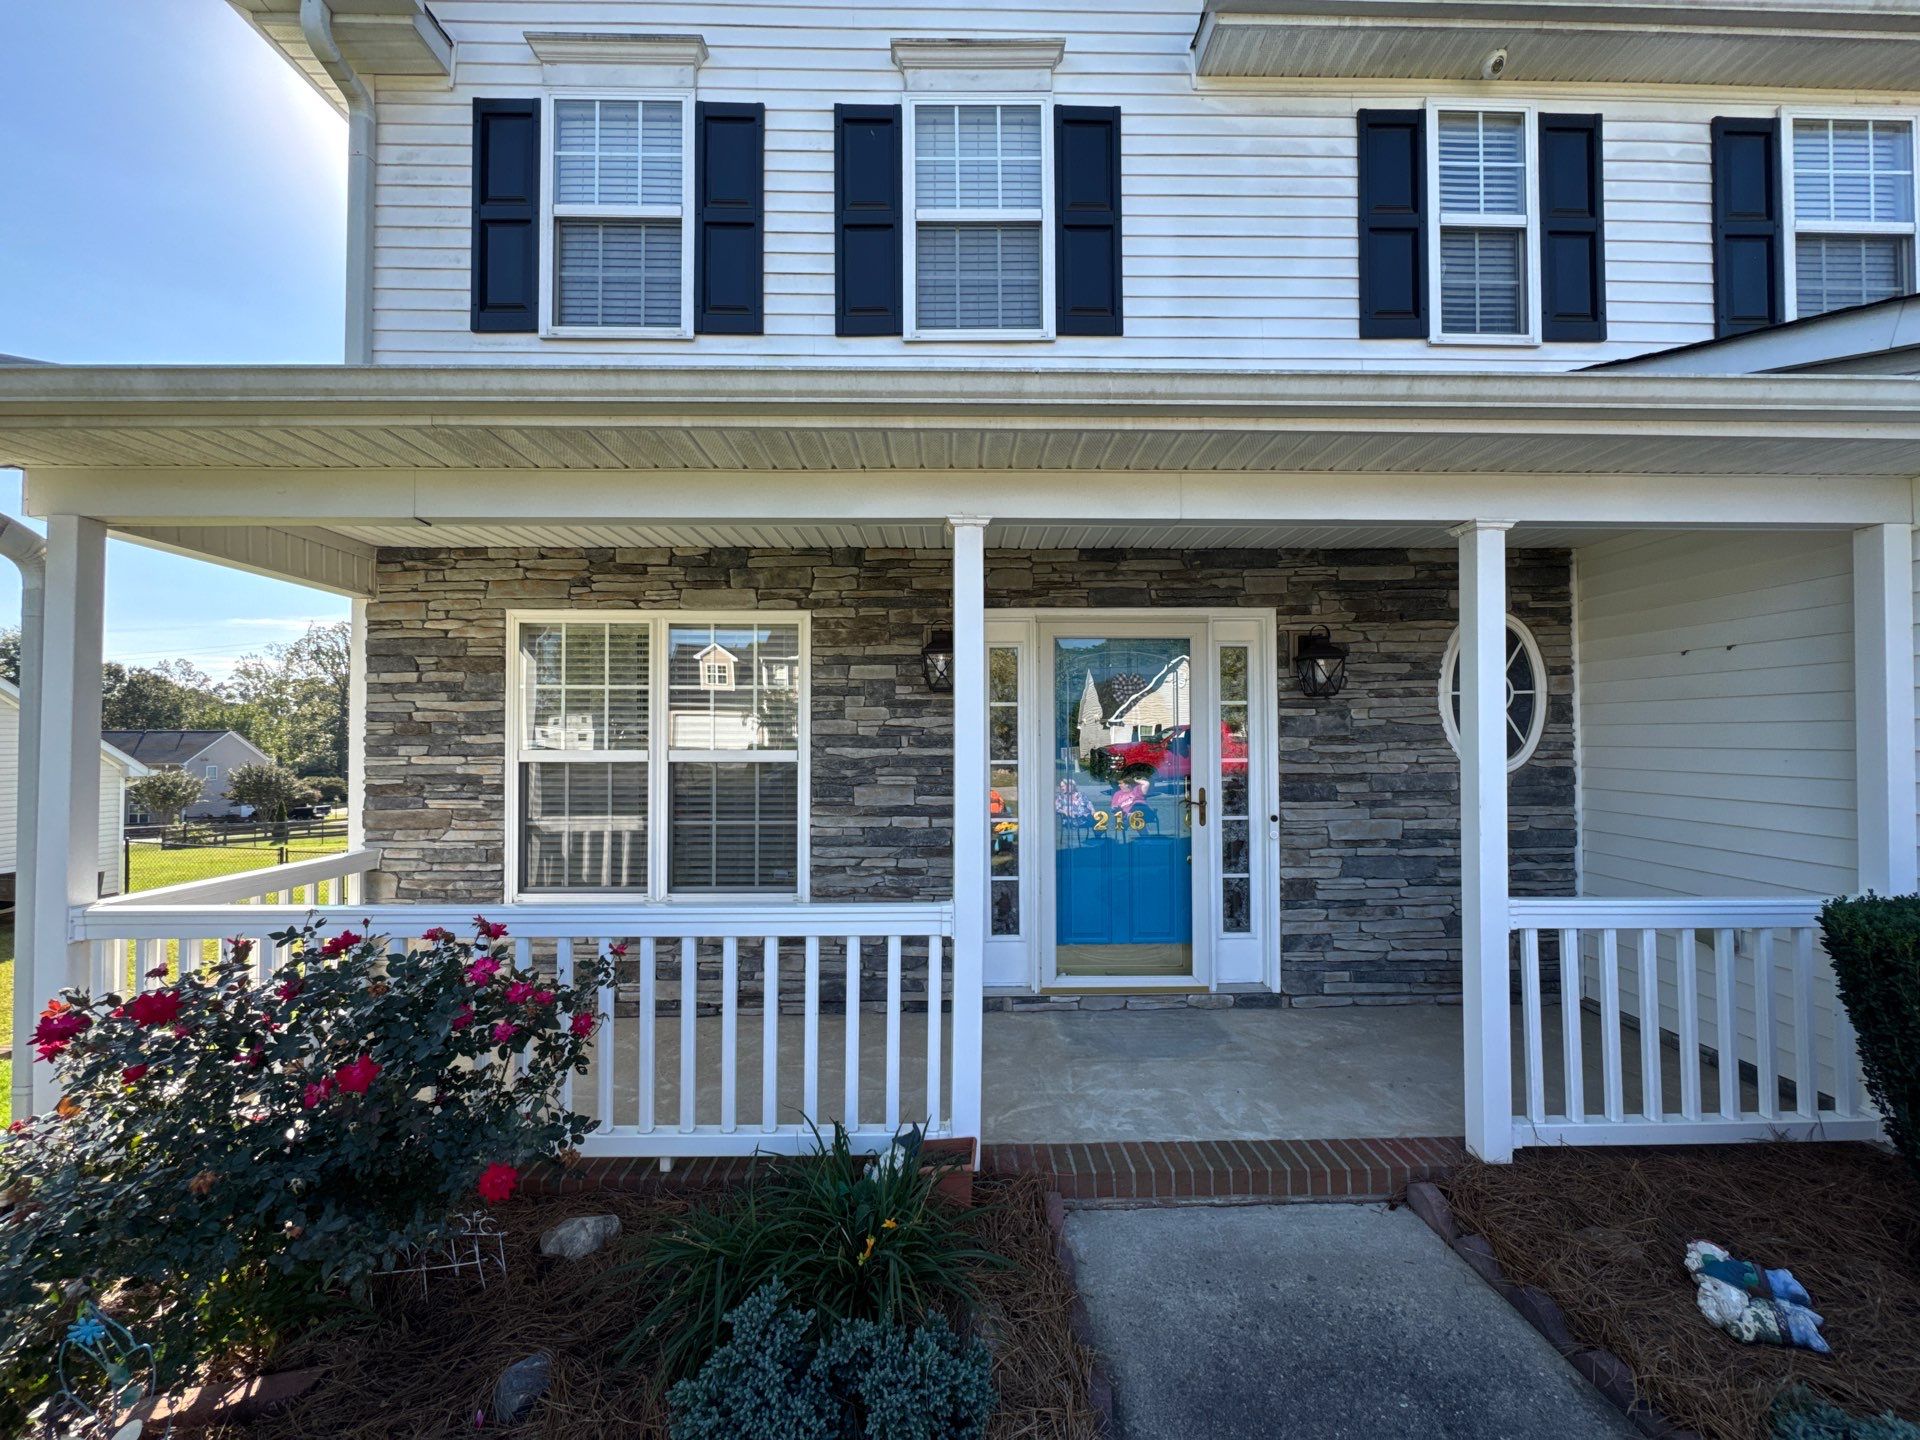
x=1604, y=1231
x=414, y=1367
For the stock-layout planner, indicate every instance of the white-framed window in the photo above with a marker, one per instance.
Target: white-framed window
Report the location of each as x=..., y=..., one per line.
x=980, y=185
x=633, y=774
x=1482, y=249
x=1851, y=201
x=1526, y=679
x=618, y=193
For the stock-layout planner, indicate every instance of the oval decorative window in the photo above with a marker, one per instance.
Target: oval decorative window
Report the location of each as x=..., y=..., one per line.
x=1526, y=693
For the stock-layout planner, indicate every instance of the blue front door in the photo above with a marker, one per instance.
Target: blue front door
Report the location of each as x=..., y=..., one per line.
x=1125, y=800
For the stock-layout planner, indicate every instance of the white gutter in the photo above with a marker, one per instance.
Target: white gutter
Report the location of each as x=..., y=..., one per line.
x=316, y=23
x=28, y=551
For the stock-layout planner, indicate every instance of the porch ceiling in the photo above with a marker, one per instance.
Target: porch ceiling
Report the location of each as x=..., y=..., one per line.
x=710, y=419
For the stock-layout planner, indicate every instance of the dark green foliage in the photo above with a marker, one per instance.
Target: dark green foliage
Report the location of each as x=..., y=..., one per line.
x=853, y=1238
x=867, y=1380
x=1875, y=945
x=235, y=1152
x=1799, y=1414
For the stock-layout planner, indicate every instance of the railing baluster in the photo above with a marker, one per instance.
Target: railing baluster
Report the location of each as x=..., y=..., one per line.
x=648, y=1037
x=1846, y=1065
x=1806, y=1074
x=893, y=1034
x=934, y=1002
x=729, y=1034
x=770, y=1037
x=810, y=1037
x=1533, y=1025
x=1726, y=1024
x=1687, y=979
x=1651, y=1103
x=1573, y=1018
x=852, y=1117
x=1765, y=1066
x=1612, y=1087
x=689, y=1007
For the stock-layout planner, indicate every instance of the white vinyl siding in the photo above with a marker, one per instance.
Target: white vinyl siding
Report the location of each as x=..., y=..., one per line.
x=1480, y=163
x=617, y=181
x=1239, y=201
x=1852, y=187
x=980, y=217
x=659, y=755
x=113, y=802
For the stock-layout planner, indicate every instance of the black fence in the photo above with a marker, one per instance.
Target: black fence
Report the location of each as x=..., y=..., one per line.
x=220, y=837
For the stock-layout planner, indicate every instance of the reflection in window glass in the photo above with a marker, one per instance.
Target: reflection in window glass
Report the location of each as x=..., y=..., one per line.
x=1003, y=795
x=1236, y=863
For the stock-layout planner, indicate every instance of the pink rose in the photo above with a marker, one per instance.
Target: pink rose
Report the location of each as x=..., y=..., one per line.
x=582, y=1024
x=463, y=1017
x=504, y=1032
x=315, y=1093
x=543, y=997
x=519, y=993
x=482, y=971
x=356, y=1075
x=486, y=929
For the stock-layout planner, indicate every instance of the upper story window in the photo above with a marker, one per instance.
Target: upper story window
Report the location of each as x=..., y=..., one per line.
x=1853, y=212
x=1483, y=249
x=618, y=187
x=980, y=201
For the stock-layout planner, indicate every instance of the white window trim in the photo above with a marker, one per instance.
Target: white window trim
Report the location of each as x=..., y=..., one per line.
x=655, y=756
x=550, y=213
x=1790, y=220
x=1530, y=228
x=915, y=217
x=1448, y=662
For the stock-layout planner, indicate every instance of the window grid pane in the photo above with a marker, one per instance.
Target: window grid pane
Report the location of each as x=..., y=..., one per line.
x=1832, y=272
x=977, y=157
x=586, y=686
x=1524, y=700
x=1003, y=796
x=583, y=826
x=1482, y=282
x=1236, y=829
x=619, y=272
x=978, y=277
x=617, y=152
x=733, y=687
x=1483, y=163
x=1853, y=171
x=735, y=826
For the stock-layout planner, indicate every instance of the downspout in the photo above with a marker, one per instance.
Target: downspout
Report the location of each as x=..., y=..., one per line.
x=316, y=23
x=29, y=551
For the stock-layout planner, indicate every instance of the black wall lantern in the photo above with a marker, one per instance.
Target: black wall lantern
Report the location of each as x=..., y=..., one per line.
x=936, y=659
x=1319, y=664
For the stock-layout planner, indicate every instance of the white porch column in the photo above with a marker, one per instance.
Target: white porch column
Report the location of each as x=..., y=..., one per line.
x=969, y=812
x=1486, y=1008
x=66, y=826
x=1884, y=706
x=356, y=732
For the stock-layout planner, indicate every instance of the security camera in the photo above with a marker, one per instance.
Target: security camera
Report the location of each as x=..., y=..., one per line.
x=1495, y=65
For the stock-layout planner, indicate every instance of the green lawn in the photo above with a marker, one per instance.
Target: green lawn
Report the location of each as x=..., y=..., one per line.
x=153, y=868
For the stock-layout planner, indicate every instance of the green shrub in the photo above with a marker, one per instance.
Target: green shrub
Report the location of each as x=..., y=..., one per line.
x=1875, y=945
x=1799, y=1414
x=230, y=1150
x=866, y=1380
x=852, y=1238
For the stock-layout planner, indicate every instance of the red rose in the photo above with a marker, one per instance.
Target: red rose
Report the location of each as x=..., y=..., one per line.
x=340, y=944
x=132, y=1074
x=356, y=1075
x=290, y=988
x=155, y=1007
x=486, y=929
x=582, y=1024
x=463, y=1017
x=497, y=1183
x=436, y=936
x=315, y=1093
x=59, y=1024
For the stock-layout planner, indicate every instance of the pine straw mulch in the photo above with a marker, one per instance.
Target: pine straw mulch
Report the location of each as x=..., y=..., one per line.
x=1604, y=1232
x=415, y=1368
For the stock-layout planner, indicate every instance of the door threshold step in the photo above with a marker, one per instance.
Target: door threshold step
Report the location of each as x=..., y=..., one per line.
x=1169, y=1172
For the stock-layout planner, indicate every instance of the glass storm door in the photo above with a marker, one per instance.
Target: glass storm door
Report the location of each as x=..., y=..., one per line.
x=1131, y=757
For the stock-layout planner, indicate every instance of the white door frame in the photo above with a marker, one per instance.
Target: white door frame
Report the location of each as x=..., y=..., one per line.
x=1021, y=963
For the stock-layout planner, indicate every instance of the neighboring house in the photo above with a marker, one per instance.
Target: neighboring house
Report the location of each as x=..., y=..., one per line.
x=116, y=769
x=211, y=755
x=725, y=383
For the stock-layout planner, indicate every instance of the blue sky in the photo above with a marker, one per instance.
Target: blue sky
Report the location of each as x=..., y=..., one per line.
x=175, y=195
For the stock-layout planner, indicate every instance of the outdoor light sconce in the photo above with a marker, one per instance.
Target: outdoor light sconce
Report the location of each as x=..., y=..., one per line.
x=936, y=660
x=1319, y=664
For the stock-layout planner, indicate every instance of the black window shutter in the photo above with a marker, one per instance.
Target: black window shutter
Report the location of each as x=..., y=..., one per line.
x=1573, y=243
x=1748, y=266
x=729, y=218
x=1393, y=236
x=1086, y=214
x=868, y=239
x=506, y=216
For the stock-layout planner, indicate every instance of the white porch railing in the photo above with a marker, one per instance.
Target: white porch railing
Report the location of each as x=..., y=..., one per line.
x=731, y=1025
x=1680, y=1021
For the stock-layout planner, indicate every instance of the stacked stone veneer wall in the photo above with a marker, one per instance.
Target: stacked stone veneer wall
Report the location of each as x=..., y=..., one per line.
x=1369, y=800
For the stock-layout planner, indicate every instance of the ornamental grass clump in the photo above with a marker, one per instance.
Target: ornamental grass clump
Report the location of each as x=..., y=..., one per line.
x=230, y=1152
x=1874, y=941
x=851, y=1237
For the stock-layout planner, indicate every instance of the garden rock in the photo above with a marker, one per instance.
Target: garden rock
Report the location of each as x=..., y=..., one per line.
x=579, y=1237
x=520, y=1385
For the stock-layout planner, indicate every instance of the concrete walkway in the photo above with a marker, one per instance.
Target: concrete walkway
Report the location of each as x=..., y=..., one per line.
x=1310, y=1321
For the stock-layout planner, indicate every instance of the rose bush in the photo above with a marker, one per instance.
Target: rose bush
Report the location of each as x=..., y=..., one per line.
x=227, y=1149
